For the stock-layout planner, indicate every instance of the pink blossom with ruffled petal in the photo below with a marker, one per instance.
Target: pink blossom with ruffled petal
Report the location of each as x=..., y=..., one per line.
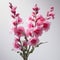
x=46, y=26
x=19, y=31
x=39, y=23
x=38, y=31
x=34, y=41
x=40, y=17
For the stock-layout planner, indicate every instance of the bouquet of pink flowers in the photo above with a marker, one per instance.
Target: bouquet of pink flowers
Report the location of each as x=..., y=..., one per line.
x=37, y=25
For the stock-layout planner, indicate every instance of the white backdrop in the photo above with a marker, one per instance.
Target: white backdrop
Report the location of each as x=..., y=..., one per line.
x=49, y=51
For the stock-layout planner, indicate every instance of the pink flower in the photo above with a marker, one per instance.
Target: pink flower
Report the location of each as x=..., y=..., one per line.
x=19, y=20
x=17, y=40
x=50, y=13
x=31, y=18
x=35, y=8
x=34, y=41
x=39, y=23
x=17, y=45
x=40, y=17
x=28, y=32
x=38, y=31
x=13, y=10
x=19, y=31
x=25, y=43
x=15, y=23
x=46, y=26
x=30, y=25
x=51, y=9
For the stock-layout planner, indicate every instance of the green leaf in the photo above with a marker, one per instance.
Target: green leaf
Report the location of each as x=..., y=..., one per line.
x=32, y=50
x=41, y=43
x=21, y=54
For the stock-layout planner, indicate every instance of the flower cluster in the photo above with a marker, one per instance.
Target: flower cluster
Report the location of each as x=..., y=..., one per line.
x=36, y=26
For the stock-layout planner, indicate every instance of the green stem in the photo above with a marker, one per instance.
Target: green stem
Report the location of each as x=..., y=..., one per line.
x=25, y=58
x=25, y=55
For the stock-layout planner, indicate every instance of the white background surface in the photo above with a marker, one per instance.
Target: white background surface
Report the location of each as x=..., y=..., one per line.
x=49, y=51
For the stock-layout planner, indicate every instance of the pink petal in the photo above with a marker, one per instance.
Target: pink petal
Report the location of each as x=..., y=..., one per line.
x=38, y=31
x=46, y=26
x=25, y=43
x=34, y=41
